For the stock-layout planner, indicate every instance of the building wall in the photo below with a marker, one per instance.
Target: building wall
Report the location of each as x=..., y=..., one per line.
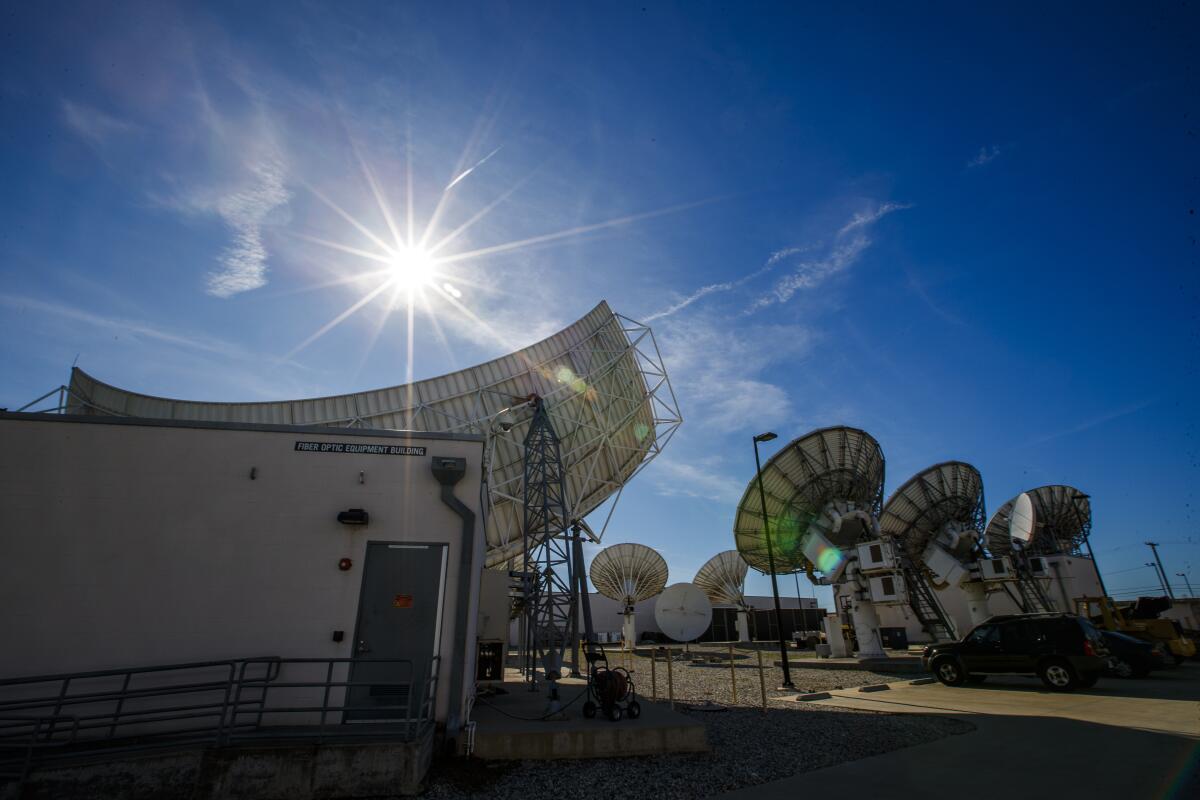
x=138, y=544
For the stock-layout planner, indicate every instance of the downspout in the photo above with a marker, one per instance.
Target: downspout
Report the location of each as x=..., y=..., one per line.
x=448, y=472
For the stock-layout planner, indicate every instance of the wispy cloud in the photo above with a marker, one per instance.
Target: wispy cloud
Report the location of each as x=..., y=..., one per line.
x=986, y=155
x=1096, y=421
x=92, y=124
x=864, y=219
x=244, y=262
x=848, y=246
x=701, y=479
x=704, y=291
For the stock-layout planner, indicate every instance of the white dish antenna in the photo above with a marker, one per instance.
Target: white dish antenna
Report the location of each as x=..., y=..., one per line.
x=1057, y=519
x=1021, y=521
x=723, y=579
x=824, y=492
x=628, y=573
x=683, y=612
x=601, y=379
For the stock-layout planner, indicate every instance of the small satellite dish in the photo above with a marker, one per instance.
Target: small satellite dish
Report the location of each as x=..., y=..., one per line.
x=723, y=579
x=683, y=611
x=1021, y=519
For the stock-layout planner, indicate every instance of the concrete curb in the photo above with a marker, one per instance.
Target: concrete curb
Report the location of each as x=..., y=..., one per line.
x=878, y=687
x=922, y=681
x=814, y=696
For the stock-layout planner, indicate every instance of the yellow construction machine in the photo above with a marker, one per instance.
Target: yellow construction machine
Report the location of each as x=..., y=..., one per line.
x=1154, y=629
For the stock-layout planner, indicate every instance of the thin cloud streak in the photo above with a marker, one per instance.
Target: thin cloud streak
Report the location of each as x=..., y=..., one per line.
x=474, y=167
x=1091, y=423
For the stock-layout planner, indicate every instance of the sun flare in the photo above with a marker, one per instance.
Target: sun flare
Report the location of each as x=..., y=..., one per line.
x=412, y=268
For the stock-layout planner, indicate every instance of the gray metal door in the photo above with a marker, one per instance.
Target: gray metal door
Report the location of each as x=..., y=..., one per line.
x=399, y=617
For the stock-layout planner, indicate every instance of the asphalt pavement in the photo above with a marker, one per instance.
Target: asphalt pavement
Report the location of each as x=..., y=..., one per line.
x=1122, y=739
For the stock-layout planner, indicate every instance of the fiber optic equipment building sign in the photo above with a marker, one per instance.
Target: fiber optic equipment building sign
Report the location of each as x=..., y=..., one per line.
x=355, y=447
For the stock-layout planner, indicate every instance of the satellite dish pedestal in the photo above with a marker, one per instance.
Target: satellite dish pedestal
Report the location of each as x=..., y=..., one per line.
x=743, y=625
x=977, y=605
x=629, y=627
x=866, y=629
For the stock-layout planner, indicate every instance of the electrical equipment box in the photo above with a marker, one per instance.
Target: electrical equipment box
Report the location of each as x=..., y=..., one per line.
x=945, y=567
x=876, y=556
x=1038, y=567
x=887, y=589
x=489, y=662
x=995, y=569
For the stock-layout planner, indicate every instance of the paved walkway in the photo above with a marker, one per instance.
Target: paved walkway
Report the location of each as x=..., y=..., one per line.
x=1124, y=740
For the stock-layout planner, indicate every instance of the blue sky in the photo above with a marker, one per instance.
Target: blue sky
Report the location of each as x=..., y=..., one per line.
x=971, y=232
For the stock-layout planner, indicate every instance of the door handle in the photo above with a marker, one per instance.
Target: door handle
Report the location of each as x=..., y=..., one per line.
x=362, y=646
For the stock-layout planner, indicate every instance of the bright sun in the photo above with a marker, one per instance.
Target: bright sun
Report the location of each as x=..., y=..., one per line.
x=412, y=267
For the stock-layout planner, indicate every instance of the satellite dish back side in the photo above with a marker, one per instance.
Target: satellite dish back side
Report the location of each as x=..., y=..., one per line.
x=683, y=612
x=1022, y=520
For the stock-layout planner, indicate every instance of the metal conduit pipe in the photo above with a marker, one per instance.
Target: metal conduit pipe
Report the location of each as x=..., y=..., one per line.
x=448, y=472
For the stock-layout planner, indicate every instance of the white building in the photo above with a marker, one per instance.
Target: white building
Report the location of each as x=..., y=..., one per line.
x=134, y=542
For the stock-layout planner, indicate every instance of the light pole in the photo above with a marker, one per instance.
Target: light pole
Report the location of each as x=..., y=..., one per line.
x=762, y=496
x=1186, y=583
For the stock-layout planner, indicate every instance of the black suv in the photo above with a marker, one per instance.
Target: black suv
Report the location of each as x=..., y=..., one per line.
x=1064, y=650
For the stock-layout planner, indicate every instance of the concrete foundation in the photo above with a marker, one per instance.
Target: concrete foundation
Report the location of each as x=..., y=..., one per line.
x=507, y=726
x=289, y=772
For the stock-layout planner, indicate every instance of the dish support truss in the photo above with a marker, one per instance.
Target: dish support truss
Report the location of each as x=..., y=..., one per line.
x=598, y=457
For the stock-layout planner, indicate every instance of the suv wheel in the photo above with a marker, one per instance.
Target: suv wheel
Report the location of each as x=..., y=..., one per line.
x=1058, y=675
x=1122, y=668
x=948, y=671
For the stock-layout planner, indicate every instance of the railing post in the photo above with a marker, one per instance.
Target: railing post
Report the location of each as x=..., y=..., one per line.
x=762, y=681
x=653, y=674
x=670, y=679
x=732, y=674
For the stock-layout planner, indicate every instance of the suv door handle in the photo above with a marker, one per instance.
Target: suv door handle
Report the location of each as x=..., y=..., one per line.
x=362, y=646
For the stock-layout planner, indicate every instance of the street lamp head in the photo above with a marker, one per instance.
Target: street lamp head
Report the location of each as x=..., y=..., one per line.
x=765, y=437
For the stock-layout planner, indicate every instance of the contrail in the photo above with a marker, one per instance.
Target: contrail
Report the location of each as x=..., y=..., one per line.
x=471, y=169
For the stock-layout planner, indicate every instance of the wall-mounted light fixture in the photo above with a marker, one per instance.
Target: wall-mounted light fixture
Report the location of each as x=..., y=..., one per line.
x=353, y=516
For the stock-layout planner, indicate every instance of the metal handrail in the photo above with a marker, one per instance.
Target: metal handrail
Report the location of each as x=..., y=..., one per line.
x=99, y=722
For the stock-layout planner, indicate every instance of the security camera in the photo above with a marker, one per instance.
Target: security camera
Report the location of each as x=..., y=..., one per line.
x=505, y=422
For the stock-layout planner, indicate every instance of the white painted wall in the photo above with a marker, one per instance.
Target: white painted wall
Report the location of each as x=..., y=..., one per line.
x=145, y=544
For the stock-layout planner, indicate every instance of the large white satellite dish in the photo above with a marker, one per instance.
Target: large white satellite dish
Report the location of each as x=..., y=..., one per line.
x=683, y=612
x=601, y=379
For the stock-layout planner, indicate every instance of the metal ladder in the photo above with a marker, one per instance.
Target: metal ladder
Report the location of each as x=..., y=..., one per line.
x=1032, y=598
x=924, y=602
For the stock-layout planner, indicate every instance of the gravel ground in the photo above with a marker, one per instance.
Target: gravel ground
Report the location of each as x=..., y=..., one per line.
x=750, y=746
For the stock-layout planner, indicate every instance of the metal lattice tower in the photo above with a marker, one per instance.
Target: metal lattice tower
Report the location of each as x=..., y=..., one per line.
x=551, y=592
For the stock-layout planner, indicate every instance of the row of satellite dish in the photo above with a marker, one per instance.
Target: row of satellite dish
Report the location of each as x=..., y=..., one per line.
x=630, y=573
x=824, y=500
